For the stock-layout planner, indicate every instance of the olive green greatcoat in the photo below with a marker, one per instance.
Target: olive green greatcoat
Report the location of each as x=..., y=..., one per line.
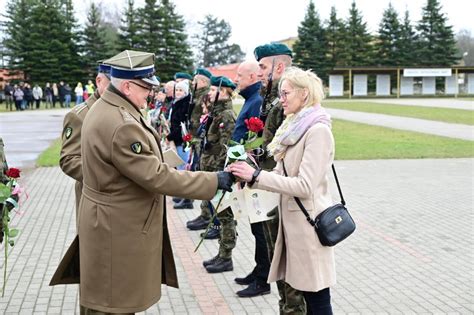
x=70, y=158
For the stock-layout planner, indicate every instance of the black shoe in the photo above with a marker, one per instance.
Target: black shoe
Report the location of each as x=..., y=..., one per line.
x=177, y=199
x=211, y=261
x=213, y=233
x=254, y=289
x=246, y=280
x=198, y=224
x=186, y=204
x=220, y=265
x=194, y=221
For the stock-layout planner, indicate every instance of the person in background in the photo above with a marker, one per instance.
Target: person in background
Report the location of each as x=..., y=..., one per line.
x=37, y=95
x=78, y=90
x=67, y=95
x=28, y=96
x=303, y=147
x=61, y=93
x=90, y=87
x=8, y=90
x=48, y=92
x=18, y=96
x=55, y=94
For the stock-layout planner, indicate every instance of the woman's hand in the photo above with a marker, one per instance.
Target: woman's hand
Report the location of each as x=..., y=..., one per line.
x=242, y=170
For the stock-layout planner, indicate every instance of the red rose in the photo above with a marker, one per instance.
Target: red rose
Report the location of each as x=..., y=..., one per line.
x=13, y=172
x=187, y=138
x=151, y=106
x=254, y=124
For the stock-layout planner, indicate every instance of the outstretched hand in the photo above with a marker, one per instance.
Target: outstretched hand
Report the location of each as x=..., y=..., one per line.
x=242, y=170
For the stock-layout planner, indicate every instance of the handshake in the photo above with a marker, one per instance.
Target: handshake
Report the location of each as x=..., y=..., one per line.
x=240, y=171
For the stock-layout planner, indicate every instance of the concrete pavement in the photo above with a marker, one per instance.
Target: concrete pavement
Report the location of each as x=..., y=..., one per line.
x=412, y=251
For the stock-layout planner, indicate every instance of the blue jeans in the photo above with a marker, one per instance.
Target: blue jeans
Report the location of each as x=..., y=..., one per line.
x=67, y=100
x=79, y=99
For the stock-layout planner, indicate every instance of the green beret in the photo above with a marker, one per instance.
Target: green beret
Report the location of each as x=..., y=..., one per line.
x=204, y=72
x=222, y=82
x=272, y=49
x=182, y=75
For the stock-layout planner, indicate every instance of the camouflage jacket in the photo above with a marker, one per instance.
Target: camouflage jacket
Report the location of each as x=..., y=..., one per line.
x=3, y=163
x=220, y=131
x=197, y=110
x=273, y=122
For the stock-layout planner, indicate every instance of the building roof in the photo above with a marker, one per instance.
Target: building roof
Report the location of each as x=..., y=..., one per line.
x=229, y=71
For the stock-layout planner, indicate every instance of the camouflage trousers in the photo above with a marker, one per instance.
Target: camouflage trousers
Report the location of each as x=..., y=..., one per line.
x=228, y=233
x=205, y=210
x=291, y=300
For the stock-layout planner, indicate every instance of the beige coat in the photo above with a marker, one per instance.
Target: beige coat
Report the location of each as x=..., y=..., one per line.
x=299, y=258
x=124, y=245
x=70, y=158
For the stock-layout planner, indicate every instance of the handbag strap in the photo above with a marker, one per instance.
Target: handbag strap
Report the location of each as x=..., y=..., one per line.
x=300, y=204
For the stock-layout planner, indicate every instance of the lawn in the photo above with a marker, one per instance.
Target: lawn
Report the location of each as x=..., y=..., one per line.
x=456, y=116
x=4, y=109
x=50, y=157
x=355, y=141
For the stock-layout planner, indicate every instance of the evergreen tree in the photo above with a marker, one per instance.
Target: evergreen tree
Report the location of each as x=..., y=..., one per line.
x=94, y=47
x=128, y=36
x=310, y=48
x=213, y=44
x=465, y=44
x=437, y=45
x=388, y=44
x=17, y=27
x=175, y=54
x=336, y=41
x=359, y=43
x=150, y=37
x=407, y=43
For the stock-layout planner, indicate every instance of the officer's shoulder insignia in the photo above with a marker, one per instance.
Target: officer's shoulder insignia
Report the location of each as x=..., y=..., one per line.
x=79, y=108
x=136, y=147
x=68, y=132
x=126, y=115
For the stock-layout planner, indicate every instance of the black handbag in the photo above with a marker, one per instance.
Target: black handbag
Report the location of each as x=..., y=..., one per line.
x=335, y=223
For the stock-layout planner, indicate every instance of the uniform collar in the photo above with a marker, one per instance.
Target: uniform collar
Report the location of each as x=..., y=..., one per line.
x=251, y=89
x=115, y=98
x=92, y=99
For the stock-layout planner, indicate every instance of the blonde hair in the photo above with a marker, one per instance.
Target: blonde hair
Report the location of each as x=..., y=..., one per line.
x=308, y=80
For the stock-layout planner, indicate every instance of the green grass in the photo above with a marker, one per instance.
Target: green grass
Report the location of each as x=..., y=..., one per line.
x=355, y=141
x=4, y=109
x=50, y=157
x=456, y=116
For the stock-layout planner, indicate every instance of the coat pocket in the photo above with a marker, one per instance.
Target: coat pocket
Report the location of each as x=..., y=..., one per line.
x=151, y=215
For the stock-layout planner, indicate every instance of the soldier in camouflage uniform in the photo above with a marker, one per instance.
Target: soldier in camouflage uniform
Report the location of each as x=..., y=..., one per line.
x=70, y=158
x=4, y=179
x=201, y=83
x=275, y=58
x=213, y=159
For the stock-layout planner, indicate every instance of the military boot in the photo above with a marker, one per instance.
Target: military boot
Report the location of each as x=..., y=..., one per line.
x=185, y=204
x=211, y=261
x=220, y=265
x=254, y=289
x=213, y=233
x=195, y=220
x=198, y=224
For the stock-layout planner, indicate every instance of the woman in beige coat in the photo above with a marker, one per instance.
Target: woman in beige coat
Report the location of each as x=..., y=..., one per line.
x=304, y=143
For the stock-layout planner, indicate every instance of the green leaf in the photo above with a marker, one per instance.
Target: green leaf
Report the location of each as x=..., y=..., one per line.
x=254, y=144
x=5, y=192
x=13, y=233
x=11, y=242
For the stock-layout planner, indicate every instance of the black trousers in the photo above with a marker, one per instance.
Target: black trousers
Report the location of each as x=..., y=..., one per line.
x=261, y=254
x=318, y=303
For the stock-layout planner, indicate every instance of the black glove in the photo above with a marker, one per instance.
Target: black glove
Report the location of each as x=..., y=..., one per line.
x=225, y=180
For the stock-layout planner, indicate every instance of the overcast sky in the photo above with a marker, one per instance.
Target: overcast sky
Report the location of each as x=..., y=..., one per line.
x=255, y=22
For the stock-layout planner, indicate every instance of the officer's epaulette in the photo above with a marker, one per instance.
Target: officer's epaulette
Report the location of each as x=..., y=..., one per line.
x=126, y=115
x=79, y=108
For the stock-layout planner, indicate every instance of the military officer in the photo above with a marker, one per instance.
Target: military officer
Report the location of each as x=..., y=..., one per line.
x=213, y=158
x=273, y=59
x=124, y=245
x=201, y=83
x=70, y=158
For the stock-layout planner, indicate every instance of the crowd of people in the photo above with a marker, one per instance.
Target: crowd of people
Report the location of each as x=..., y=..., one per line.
x=23, y=96
x=113, y=147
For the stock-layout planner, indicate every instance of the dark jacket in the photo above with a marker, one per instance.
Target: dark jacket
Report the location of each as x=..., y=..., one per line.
x=251, y=108
x=178, y=115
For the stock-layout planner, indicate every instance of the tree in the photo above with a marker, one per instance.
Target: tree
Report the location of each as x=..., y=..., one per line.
x=388, y=45
x=175, y=54
x=407, y=43
x=465, y=44
x=336, y=41
x=359, y=43
x=128, y=35
x=310, y=48
x=213, y=45
x=94, y=46
x=436, y=46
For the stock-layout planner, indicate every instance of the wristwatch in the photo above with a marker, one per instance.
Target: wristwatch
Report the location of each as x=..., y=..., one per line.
x=254, y=176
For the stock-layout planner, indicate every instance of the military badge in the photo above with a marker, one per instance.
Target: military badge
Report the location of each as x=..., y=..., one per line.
x=136, y=147
x=68, y=132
